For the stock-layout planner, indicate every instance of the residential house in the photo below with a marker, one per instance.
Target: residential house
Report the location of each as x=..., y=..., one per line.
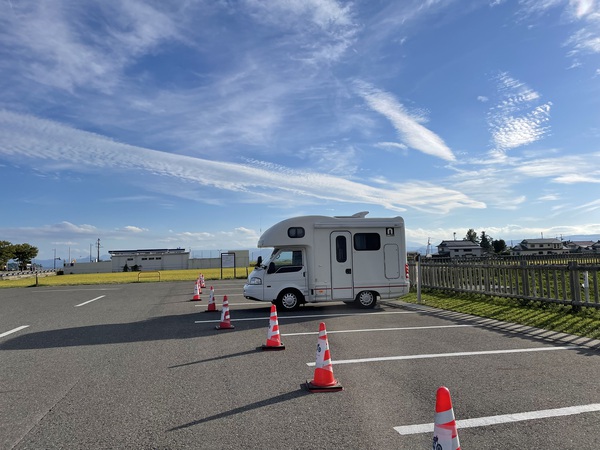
x=529, y=247
x=579, y=246
x=459, y=249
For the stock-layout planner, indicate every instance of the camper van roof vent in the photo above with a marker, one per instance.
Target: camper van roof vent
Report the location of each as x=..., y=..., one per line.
x=358, y=215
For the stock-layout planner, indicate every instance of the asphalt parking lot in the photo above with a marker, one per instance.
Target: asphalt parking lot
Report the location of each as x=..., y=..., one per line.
x=142, y=366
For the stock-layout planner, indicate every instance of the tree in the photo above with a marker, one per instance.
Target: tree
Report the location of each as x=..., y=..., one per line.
x=472, y=236
x=7, y=251
x=499, y=245
x=486, y=242
x=24, y=253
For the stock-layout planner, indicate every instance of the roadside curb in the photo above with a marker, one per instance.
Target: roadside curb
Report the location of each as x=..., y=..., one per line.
x=515, y=328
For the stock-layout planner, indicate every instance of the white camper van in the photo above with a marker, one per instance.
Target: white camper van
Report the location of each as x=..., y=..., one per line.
x=354, y=259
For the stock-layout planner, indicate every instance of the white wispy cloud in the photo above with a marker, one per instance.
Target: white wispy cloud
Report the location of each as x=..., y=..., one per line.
x=239, y=237
x=30, y=140
x=517, y=119
x=392, y=146
x=133, y=229
x=235, y=92
x=332, y=159
x=322, y=29
x=56, y=49
x=58, y=229
x=583, y=14
x=412, y=133
x=569, y=169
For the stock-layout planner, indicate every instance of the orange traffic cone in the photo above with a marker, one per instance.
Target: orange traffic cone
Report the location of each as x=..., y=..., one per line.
x=196, y=292
x=211, y=301
x=273, y=338
x=323, y=380
x=225, y=317
x=445, y=434
x=202, y=284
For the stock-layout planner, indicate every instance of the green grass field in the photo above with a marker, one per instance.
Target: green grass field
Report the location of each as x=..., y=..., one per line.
x=535, y=314
x=124, y=277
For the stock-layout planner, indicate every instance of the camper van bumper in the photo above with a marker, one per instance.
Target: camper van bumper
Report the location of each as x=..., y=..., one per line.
x=253, y=292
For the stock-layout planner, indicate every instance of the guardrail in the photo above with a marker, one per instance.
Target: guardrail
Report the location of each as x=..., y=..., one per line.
x=152, y=274
x=572, y=283
x=16, y=274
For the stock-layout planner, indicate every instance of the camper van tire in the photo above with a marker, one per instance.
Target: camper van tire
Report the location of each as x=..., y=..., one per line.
x=366, y=299
x=289, y=300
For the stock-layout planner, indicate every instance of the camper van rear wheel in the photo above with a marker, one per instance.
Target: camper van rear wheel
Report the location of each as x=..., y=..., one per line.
x=289, y=299
x=366, y=299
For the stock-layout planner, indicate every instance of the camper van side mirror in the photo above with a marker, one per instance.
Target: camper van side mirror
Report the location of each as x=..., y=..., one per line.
x=271, y=268
x=259, y=261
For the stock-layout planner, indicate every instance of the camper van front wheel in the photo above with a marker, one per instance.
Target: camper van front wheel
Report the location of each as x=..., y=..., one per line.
x=366, y=299
x=289, y=299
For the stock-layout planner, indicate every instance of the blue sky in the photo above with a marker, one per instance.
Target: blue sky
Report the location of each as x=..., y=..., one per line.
x=199, y=124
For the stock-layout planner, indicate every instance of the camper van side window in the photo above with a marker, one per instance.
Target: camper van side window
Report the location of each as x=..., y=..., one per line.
x=367, y=241
x=296, y=232
x=340, y=249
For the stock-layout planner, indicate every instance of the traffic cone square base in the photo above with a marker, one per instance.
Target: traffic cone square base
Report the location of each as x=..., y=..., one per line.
x=314, y=388
x=273, y=347
x=224, y=326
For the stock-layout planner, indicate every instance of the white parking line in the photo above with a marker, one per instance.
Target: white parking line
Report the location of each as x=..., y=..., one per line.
x=235, y=304
x=450, y=355
x=90, y=301
x=14, y=330
x=379, y=329
x=311, y=315
x=46, y=291
x=504, y=418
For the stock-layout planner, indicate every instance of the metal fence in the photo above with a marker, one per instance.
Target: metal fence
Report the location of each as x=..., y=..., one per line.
x=550, y=280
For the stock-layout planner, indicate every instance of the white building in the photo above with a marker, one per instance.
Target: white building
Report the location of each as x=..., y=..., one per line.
x=150, y=259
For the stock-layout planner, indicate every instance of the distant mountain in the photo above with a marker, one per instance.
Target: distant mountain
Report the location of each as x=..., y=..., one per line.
x=582, y=237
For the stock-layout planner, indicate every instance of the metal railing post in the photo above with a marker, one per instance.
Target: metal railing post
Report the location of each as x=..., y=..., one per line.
x=575, y=288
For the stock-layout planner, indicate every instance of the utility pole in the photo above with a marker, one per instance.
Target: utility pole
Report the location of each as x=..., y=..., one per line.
x=98, y=245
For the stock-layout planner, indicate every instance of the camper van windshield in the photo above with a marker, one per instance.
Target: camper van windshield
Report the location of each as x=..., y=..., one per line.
x=273, y=255
x=285, y=260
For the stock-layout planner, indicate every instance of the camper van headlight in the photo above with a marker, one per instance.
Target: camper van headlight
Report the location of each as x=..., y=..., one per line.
x=255, y=280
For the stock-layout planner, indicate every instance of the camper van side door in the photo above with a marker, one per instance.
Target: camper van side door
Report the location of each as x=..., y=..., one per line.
x=342, y=284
